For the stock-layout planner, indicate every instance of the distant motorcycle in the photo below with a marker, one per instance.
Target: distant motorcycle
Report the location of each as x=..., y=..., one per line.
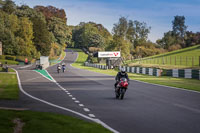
x=58, y=69
x=63, y=68
x=121, y=88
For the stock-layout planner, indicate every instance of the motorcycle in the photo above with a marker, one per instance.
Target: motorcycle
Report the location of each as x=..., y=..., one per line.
x=58, y=69
x=121, y=88
x=63, y=68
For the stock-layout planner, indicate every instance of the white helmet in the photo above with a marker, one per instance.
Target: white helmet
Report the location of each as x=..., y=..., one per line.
x=123, y=71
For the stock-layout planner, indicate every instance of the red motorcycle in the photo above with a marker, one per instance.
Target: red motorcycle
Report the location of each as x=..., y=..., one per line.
x=121, y=88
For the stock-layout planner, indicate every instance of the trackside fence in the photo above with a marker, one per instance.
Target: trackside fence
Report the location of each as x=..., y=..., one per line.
x=191, y=61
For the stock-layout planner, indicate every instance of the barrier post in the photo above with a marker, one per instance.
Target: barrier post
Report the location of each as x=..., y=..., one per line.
x=199, y=60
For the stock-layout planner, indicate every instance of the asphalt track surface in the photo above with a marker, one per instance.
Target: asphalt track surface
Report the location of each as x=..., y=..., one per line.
x=146, y=108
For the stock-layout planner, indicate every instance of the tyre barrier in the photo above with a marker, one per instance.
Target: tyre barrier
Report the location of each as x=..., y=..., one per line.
x=104, y=67
x=178, y=73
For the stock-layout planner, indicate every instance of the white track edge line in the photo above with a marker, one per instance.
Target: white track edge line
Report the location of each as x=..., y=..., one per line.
x=66, y=109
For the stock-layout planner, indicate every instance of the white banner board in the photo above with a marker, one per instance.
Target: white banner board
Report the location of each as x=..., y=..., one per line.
x=109, y=54
x=44, y=61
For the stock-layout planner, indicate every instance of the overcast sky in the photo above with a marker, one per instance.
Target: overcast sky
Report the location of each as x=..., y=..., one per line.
x=156, y=13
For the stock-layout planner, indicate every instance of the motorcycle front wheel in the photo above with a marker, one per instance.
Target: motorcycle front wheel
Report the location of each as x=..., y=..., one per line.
x=122, y=93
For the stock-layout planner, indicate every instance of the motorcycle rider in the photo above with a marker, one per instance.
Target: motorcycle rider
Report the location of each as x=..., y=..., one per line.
x=121, y=74
x=58, y=68
x=63, y=66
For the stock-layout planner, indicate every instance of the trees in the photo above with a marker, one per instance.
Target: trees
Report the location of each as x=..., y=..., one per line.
x=179, y=29
x=25, y=38
x=7, y=36
x=191, y=38
x=120, y=28
x=42, y=37
x=56, y=22
x=31, y=32
x=90, y=35
x=178, y=37
x=134, y=31
x=8, y=6
x=60, y=31
x=51, y=11
x=128, y=34
x=168, y=40
x=178, y=26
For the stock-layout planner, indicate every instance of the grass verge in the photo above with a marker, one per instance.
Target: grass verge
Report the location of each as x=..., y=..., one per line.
x=59, y=59
x=190, y=84
x=9, y=62
x=39, y=122
x=9, y=70
x=182, y=58
x=8, y=86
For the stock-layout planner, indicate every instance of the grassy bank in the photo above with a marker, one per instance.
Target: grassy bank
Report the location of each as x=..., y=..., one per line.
x=38, y=122
x=9, y=62
x=190, y=84
x=56, y=60
x=8, y=86
x=9, y=70
x=82, y=57
x=183, y=58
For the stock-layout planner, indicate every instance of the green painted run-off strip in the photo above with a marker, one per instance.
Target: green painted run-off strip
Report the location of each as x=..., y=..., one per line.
x=44, y=72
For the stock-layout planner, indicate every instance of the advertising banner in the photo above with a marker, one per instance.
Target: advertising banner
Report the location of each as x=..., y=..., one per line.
x=109, y=54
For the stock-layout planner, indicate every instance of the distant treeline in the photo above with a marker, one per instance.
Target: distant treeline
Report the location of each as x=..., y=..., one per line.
x=44, y=31
x=33, y=32
x=131, y=38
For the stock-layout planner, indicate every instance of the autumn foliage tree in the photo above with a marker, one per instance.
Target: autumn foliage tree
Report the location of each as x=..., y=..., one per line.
x=32, y=32
x=50, y=12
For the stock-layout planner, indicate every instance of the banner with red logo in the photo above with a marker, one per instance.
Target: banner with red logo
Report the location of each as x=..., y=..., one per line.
x=109, y=54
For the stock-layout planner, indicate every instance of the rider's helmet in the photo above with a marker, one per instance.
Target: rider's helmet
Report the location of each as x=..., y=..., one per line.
x=123, y=71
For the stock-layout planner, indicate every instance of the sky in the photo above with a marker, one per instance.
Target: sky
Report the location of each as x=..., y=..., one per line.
x=158, y=14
